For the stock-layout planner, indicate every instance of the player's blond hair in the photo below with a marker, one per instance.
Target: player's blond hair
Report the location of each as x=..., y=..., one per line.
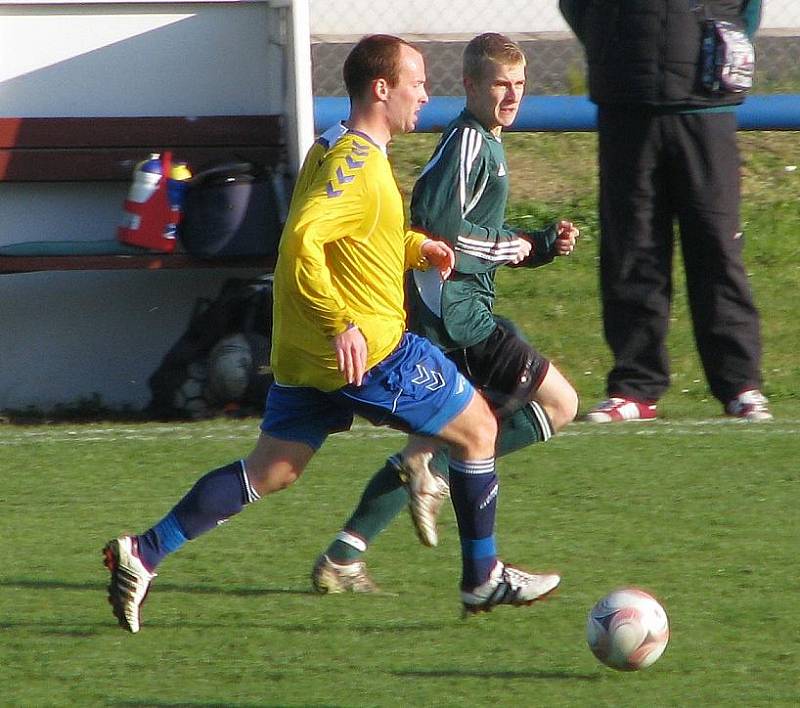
x=490, y=48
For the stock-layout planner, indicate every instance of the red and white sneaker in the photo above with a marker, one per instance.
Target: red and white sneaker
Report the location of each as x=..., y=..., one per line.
x=617, y=409
x=749, y=405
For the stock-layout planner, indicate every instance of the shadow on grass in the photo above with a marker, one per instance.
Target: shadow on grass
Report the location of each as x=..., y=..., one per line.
x=26, y=584
x=192, y=704
x=505, y=675
x=48, y=629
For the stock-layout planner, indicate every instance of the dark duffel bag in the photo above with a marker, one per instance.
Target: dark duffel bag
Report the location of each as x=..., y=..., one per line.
x=232, y=209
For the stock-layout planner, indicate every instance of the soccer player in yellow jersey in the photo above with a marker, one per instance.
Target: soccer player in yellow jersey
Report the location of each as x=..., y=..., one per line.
x=340, y=345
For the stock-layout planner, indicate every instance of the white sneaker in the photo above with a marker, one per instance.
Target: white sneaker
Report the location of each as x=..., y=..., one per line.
x=130, y=581
x=508, y=585
x=749, y=405
x=330, y=577
x=427, y=492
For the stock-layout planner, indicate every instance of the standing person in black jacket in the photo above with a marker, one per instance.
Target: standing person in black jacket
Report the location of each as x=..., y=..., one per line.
x=667, y=150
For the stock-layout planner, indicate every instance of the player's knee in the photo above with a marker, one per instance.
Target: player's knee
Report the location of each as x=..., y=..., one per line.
x=473, y=433
x=273, y=478
x=563, y=409
x=484, y=435
x=486, y=440
x=569, y=407
x=270, y=475
x=276, y=464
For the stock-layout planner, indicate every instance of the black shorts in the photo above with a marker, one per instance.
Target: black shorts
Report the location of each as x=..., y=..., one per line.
x=504, y=366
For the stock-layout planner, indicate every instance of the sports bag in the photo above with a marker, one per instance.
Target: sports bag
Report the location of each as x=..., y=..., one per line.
x=727, y=58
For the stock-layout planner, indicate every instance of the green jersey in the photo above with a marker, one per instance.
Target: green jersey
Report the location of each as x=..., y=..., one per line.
x=461, y=198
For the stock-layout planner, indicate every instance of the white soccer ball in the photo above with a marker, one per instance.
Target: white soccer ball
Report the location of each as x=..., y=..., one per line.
x=627, y=630
x=230, y=368
x=191, y=398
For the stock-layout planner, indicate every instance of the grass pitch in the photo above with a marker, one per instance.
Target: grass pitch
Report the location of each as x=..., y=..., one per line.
x=701, y=512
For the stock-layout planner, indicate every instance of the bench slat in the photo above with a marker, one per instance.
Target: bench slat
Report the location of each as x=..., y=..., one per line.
x=166, y=131
x=116, y=164
x=30, y=264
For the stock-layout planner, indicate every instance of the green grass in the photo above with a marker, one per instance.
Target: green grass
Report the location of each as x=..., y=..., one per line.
x=701, y=512
x=554, y=176
x=698, y=509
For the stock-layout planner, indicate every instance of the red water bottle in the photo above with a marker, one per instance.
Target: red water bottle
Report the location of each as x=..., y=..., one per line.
x=147, y=214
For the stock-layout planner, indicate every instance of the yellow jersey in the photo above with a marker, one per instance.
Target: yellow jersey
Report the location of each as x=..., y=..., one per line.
x=342, y=256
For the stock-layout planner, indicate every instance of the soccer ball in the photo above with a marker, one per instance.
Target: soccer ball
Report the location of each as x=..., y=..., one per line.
x=230, y=368
x=191, y=398
x=627, y=630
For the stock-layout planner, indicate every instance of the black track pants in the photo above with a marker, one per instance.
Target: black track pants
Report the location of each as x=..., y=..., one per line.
x=655, y=169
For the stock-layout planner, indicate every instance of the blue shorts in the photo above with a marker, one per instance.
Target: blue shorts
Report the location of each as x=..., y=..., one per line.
x=415, y=389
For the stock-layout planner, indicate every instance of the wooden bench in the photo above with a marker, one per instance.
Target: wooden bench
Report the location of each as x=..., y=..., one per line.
x=106, y=149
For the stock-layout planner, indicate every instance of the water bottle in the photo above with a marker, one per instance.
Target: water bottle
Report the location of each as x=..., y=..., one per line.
x=146, y=176
x=147, y=214
x=177, y=184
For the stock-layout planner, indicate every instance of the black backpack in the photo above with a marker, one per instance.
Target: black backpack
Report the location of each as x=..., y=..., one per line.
x=243, y=306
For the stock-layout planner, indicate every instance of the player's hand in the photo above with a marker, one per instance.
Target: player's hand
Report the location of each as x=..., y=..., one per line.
x=440, y=255
x=566, y=238
x=525, y=247
x=351, y=354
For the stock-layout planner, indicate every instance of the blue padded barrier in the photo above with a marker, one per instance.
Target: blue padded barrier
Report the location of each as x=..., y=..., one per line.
x=569, y=113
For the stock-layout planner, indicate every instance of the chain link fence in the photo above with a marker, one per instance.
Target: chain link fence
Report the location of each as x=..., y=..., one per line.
x=555, y=59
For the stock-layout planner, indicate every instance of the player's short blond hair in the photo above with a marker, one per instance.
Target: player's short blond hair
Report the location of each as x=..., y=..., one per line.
x=490, y=48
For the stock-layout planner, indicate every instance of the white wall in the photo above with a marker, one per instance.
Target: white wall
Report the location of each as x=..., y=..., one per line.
x=68, y=335
x=138, y=59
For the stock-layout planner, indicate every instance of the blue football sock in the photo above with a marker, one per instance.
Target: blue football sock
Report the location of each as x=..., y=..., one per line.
x=214, y=498
x=473, y=489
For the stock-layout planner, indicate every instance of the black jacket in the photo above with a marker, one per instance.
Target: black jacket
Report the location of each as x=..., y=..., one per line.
x=648, y=51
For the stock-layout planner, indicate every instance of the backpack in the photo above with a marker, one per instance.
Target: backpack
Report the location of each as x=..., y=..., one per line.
x=180, y=385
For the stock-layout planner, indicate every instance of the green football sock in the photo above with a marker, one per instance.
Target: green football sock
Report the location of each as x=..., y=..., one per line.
x=440, y=464
x=383, y=498
x=524, y=427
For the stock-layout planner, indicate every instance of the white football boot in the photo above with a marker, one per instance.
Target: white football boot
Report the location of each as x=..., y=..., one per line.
x=130, y=581
x=508, y=585
x=330, y=577
x=427, y=492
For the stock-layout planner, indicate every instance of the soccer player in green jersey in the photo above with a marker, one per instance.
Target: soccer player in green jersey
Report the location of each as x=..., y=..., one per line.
x=461, y=197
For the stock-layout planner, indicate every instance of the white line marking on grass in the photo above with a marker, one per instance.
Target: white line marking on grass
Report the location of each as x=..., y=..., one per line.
x=247, y=431
x=709, y=426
